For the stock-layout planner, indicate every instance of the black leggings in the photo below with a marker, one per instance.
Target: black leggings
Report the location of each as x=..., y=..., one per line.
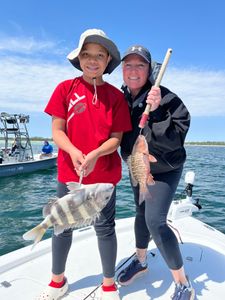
x=151, y=218
x=105, y=231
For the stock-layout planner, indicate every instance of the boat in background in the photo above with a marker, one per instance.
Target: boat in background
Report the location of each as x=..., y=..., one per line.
x=24, y=273
x=19, y=158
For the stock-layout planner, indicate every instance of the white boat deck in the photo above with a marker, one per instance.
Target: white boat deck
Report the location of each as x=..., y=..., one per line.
x=24, y=273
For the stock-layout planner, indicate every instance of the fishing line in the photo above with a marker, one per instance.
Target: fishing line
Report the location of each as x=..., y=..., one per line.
x=81, y=177
x=177, y=231
x=115, y=272
x=117, y=269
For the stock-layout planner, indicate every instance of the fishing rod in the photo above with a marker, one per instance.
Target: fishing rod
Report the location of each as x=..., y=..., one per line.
x=145, y=114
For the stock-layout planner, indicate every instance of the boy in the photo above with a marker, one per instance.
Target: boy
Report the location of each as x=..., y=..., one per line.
x=88, y=119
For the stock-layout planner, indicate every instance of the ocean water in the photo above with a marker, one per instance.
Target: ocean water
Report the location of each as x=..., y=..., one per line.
x=22, y=197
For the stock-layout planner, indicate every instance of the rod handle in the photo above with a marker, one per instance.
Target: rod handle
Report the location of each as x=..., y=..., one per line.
x=145, y=114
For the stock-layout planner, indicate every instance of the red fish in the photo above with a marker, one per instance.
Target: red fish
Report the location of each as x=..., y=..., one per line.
x=139, y=167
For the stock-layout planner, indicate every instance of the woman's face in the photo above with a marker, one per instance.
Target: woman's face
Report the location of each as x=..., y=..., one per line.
x=135, y=72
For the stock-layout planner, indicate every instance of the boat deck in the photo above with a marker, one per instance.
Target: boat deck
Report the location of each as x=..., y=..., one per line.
x=25, y=272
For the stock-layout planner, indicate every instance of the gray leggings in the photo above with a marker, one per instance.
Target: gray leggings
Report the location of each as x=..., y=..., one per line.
x=151, y=218
x=105, y=231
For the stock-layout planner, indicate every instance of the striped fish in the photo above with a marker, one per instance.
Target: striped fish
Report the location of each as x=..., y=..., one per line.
x=80, y=207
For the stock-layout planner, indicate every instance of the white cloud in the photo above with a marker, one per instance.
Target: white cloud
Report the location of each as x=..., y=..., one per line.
x=202, y=91
x=23, y=45
x=29, y=45
x=26, y=83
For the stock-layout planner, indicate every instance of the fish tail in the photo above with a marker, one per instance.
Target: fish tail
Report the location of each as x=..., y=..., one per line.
x=141, y=198
x=144, y=194
x=35, y=234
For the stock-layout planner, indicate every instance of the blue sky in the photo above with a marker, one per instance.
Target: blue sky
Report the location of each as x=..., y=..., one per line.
x=36, y=36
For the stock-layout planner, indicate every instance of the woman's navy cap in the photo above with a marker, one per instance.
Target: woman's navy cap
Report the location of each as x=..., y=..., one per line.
x=139, y=50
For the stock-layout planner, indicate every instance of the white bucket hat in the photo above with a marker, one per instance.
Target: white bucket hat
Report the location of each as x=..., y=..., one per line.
x=99, y=37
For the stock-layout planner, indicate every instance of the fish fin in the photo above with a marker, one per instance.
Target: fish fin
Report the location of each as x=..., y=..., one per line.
x=59, y=229
x=35, y=234
x=79, y=196
x=88, y=221
x=92, y=220
x=133, y=180
x=141, y=198
x=47, y=208
x=150, y=180
x=78, y=224
x=73, y=186
x=144, y=194
x=152, y=158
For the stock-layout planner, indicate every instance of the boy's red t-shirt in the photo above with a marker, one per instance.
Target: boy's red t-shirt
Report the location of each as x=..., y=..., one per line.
x=89, y=125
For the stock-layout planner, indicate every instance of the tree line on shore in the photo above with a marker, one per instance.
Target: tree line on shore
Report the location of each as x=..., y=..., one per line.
x=209, y=143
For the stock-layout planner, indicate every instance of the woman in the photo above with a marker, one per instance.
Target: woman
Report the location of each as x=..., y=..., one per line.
x=165, y=132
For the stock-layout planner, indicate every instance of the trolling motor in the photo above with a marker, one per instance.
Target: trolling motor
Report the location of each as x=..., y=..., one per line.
x=189, y=180
x=185, y=207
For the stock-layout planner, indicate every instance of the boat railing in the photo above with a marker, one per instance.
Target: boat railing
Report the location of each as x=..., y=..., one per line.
x=14, y=127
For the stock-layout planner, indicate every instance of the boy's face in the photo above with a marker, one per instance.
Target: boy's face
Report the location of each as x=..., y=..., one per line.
x=135, y=72
x=93, y=60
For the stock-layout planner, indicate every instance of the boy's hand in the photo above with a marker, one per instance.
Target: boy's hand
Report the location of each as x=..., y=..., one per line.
x=89, y=163
x=77, y=158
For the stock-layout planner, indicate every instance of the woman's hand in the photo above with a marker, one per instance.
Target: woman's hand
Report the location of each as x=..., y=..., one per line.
x=154, y=98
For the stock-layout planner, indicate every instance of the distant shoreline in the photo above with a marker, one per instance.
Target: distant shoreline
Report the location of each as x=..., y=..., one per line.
x=206, y=143
x=222, y=144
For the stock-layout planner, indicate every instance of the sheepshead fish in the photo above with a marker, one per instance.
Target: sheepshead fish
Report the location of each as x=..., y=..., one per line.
x=139, y=167
x=80, y=207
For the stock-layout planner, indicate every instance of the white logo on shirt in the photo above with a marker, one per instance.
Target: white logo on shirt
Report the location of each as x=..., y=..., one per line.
x=73, y=102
